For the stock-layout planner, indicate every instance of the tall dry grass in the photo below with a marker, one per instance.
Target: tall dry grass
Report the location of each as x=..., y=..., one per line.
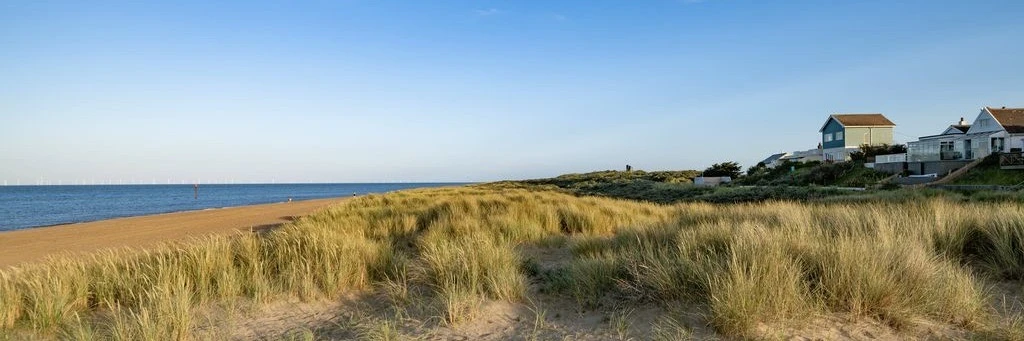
x=452, y=248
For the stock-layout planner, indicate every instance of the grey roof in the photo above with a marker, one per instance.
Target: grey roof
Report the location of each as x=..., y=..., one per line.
x=963, y=128
x=773, y=158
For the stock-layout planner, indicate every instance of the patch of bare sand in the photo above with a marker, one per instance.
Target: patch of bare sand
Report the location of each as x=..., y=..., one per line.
x=34, y=244
x=850, y=329
x=1009, y=297
x=554, y=319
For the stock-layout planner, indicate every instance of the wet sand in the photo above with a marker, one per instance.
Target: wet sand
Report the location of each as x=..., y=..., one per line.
x=32, y=244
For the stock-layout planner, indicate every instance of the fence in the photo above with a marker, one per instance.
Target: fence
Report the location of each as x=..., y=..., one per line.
x=1012, y=160
x=891, y=158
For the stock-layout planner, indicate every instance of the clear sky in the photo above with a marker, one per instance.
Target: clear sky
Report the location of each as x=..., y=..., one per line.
x=364, y=91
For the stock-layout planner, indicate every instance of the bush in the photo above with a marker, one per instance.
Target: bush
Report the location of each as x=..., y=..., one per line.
x=730, y=169
x=867, y=151
x=846, y=174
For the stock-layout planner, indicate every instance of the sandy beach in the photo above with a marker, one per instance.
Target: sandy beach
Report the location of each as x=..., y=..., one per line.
x=36, y=243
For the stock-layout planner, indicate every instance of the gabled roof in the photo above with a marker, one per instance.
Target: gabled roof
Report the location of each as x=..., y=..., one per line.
x=1012, y=119
x=859, y=120
x=963, y=128
x=773, y=158
x=957, y=129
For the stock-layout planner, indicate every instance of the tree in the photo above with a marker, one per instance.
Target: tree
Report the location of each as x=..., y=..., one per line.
x=758, y=168
x=730, y=169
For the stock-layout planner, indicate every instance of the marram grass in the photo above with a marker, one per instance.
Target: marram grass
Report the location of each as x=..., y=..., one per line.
x=748, y=264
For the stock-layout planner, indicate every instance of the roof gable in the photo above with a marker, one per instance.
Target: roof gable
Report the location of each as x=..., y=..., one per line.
x=859, y=120
x=956, y=129
x=773, y=158
x=863, y=120
x=1012, y=119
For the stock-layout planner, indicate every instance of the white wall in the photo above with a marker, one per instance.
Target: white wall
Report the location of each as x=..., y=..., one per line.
x=837, y=154
x=891, y=158
x=1015, y=141
x=984, y=122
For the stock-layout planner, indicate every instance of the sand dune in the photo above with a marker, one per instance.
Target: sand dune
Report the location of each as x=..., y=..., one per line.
x=36, y=243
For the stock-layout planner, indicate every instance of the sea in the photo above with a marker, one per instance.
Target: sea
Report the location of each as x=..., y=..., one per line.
x=33, y=206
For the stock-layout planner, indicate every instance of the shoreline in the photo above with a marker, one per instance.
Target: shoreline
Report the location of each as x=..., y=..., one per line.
x=73, y=204
x=36, y=243
x=155, y=214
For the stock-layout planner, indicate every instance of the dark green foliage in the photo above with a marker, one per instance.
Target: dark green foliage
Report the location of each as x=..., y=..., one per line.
x=869, y=151
x=789, y=181
x=645, y=191
x=990, y=160
x=988, y=173
x=843, y=174
x=758, y=194
x=667, y=193
x=761, y=175
x=998, y=196
x=610, y=176
x=840, y=174
x=922, y=194
x=758, y=168
x=730, y=169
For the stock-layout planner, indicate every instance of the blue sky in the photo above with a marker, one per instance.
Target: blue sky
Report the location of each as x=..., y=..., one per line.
x=363, y=91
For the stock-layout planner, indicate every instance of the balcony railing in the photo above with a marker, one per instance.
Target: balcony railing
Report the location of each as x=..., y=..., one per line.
x=890, y=158
x=950, y=155
x=1012, y=160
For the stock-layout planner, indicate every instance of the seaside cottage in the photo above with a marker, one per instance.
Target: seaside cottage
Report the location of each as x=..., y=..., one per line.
x=773, y=160
x=843, y=134
x=942, y=146
x=994, y=130
x=803, y=156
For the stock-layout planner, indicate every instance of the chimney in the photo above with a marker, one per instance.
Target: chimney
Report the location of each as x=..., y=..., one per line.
x=962, y=122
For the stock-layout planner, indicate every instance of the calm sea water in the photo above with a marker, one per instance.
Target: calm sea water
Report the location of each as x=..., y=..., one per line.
x=31, y=206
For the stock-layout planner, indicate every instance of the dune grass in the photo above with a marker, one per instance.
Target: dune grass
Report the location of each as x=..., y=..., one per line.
x=452, y=248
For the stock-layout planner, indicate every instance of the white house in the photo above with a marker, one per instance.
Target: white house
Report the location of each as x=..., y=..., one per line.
x=993, y=130
x=802, y=156
x=940, y=146
x=773, y=160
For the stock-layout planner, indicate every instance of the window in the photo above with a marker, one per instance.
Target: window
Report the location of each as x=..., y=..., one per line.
x=947, y=151
x=839, y=135
x=998, y=143
x=828, y=137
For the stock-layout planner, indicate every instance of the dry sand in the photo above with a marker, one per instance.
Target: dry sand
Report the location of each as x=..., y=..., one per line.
x=36, y=243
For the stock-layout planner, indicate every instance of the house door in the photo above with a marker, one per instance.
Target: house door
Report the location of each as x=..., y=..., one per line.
x=968, y=153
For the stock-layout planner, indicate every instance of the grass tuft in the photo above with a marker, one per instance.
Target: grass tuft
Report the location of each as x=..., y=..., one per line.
x=895, y=261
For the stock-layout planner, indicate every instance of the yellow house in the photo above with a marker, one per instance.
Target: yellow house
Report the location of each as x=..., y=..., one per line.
x=844, y=133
